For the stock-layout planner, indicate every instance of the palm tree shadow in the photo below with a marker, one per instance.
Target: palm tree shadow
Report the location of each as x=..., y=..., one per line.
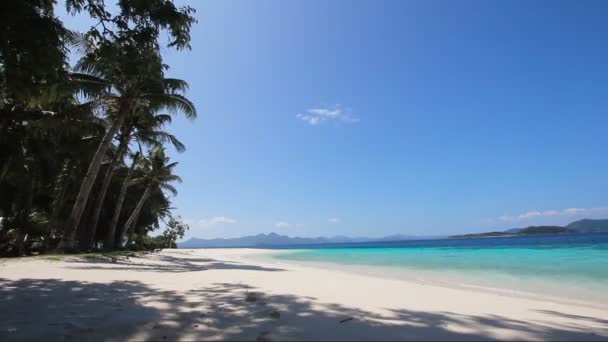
x=50, y=309
x=167, y=263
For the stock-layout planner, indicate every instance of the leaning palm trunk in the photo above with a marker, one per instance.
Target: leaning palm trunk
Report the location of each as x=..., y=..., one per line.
x=89, y=239
x=73, y=221
x=60, y=190
x=111, y=234
x=134, y=215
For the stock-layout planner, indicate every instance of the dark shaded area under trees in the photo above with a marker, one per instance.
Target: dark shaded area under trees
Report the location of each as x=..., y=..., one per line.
x=82, y=158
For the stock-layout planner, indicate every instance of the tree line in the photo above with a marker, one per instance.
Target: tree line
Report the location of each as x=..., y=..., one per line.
x=82, y=145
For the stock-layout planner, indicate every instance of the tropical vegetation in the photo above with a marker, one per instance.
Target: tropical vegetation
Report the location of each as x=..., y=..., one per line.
x=83, y=162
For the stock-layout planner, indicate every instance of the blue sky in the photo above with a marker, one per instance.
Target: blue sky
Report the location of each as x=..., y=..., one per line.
x=370, y=118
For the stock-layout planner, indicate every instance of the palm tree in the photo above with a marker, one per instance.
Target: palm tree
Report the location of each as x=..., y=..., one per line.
x=134, y=80
x=38, y=161
x=60, y=127
x=146, y=129
x=159, y=174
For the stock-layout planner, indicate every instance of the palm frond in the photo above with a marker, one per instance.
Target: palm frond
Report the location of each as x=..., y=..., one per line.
x=136, y=181
x=78, y=40
x=162, y=119
x=171, y=166
x=168, y=187
x=157, y=138
x=173, y=103
x=174, y=85
x=89, y=67
x=172, y=178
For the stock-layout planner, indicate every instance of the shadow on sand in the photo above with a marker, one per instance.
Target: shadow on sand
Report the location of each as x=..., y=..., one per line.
x=167, y=263
x=77, y=311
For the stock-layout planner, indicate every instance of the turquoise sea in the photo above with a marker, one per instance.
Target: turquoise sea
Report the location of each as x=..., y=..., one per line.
x=569, y=267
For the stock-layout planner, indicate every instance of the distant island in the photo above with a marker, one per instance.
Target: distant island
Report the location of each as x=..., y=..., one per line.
x=274, y=239
x=580, y=226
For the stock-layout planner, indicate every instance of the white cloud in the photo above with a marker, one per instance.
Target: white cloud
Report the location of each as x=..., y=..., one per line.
x=317, y=116
x=216, y=220
x=325, y=112
x=334, y=220
x=282, y=224
x=569, y=212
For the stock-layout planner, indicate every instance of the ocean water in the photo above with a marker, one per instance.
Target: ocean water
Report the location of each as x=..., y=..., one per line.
x=568, y=267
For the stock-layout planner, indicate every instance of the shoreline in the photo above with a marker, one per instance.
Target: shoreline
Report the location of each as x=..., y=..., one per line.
x=455, y=280
x=228, y=294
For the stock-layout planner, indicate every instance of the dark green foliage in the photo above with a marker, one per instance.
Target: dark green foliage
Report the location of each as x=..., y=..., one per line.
x=148, y=243
x=60, y=129
x=176, y=229
x=33, y=48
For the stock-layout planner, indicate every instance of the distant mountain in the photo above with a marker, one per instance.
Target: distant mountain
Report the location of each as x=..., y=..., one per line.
x=274, y=239
x=589, y=226
x=580, y=226
x=514, y=230
x=481, y=235
x=545, y=230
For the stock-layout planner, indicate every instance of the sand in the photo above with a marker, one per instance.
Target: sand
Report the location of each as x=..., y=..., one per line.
x=229, y=294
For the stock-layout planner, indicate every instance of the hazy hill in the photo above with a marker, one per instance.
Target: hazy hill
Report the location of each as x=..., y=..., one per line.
x=580, y=226
x=545, y=230
x=274, y=239
x=589, y=226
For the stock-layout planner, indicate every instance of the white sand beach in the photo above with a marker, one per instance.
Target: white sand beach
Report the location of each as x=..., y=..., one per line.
x=212, y=294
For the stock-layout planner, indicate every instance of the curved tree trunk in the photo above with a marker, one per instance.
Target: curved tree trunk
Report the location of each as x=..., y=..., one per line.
x=89, y=238
x=73, y=221
x=60, y=190
x=111, y=234
x=134, y=215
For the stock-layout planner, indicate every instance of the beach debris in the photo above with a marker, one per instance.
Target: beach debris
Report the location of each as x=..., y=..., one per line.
x=251, y=297
x=195, y=325
x=346, y=320
x=264, y=336
x=275, y=314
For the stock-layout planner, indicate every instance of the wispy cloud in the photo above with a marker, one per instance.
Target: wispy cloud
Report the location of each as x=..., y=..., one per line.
x=282, y=224
x=569, y=212
x=334, y=220
x=216, y=220
x=317, y=116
